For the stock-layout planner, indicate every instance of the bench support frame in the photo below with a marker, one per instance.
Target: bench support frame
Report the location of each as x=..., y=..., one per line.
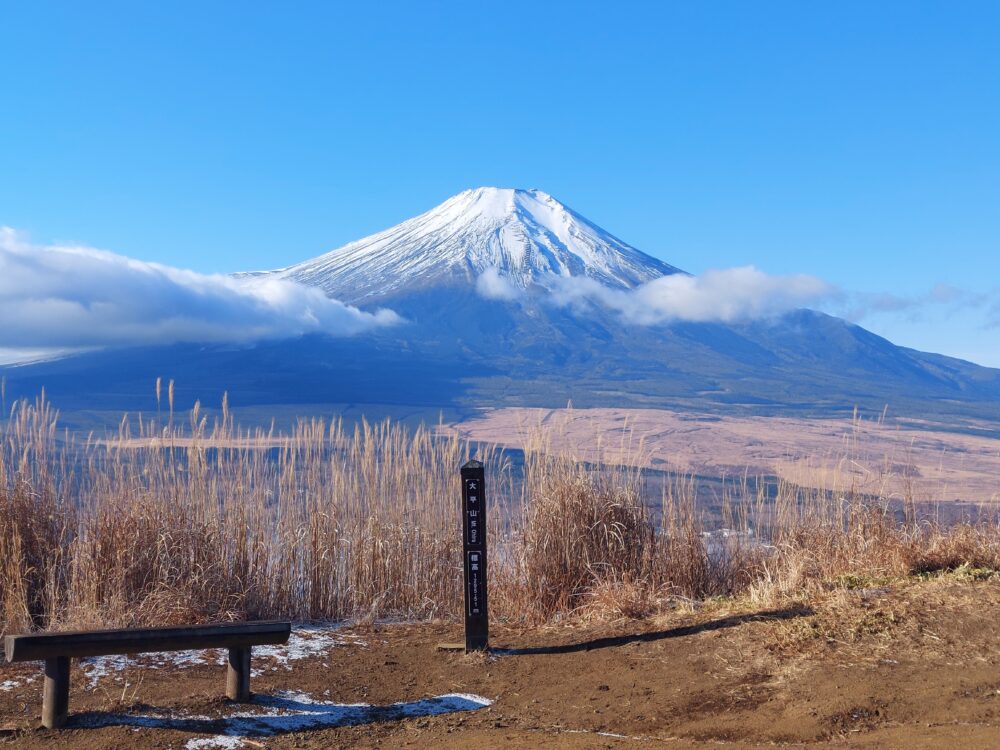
x=238, y=675
x=56, y=650
x=55, y=694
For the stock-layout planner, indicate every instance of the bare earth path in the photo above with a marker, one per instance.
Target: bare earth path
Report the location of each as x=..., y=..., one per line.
x=913, y=667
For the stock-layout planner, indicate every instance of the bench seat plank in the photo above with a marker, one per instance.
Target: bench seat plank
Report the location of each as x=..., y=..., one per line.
x=144, y=640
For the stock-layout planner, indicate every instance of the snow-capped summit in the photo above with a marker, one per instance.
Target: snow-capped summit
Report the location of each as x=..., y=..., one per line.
x=525, y=235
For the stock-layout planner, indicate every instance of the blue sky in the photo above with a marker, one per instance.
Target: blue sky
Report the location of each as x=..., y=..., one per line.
x=857, y=143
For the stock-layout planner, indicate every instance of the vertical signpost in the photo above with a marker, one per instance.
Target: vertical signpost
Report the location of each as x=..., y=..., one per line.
x=477, y=628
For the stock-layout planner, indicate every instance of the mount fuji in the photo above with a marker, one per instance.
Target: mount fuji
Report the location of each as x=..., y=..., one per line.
x=476, y=281
x=525, y=236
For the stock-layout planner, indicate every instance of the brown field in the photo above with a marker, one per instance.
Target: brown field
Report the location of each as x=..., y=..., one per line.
x=904, y=459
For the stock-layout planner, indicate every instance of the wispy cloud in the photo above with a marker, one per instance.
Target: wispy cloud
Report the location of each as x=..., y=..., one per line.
x=993, y=314
x=746, y=293
x=861, y=305
x=725, y=296
x=491, y=285
x=54, y=296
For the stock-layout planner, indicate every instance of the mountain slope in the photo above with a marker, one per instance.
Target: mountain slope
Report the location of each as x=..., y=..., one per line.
x=462, y=350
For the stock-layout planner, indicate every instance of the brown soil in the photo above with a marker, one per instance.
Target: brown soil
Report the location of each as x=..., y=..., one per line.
x=915, y=666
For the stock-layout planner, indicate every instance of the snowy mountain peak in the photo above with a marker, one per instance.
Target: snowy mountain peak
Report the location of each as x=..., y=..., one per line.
x=526, y=235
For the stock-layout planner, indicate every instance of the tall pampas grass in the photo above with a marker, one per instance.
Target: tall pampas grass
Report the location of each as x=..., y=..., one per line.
x=199, y=520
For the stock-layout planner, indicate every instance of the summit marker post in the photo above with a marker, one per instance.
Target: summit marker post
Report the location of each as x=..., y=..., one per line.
x=477, y=626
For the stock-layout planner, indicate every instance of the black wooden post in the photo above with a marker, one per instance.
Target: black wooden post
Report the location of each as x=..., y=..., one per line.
x=55, y=692
x=477, y=627
x=238, y=674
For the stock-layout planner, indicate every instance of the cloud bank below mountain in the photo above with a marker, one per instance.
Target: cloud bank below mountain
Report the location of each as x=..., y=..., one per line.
x=57, y=296
x=717, y=296
x=735, y=295
x=720, y=296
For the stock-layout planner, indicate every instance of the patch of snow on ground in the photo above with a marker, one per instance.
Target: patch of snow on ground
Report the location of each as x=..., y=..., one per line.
x=98, y=667
x=222, y=743
x=286, y=712
x=8, y=685
x=305, y=641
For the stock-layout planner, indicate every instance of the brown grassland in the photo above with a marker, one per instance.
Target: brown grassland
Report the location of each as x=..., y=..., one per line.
x=909, y=458
x=187, y=521
x=178, y=520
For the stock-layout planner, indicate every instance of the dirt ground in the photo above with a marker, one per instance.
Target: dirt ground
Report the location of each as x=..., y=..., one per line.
x=912, y=666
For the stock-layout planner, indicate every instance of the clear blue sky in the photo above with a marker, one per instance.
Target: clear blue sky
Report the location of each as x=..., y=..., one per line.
x=856, y=141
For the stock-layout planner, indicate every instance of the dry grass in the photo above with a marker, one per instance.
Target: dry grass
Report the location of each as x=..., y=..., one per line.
x=329, y=525
x=580, y=534
x=176, y=520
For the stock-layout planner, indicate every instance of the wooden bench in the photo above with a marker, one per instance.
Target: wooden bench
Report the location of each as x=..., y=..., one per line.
x=56, y=649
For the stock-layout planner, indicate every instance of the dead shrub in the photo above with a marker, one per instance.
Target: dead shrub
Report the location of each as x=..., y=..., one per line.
x=34, y=529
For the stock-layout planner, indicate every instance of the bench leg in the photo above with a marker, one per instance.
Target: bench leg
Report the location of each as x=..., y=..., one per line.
x=238, y=675
x=55, y=695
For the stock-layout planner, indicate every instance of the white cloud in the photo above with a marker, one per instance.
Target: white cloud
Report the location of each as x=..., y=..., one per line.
x=20, y=356
x=725, y=296
x=491, y=285
x=866, y=304
x=57, y=296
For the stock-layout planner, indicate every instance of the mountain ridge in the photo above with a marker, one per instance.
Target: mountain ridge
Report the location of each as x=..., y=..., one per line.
x=526, y=236
x=460, y=349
